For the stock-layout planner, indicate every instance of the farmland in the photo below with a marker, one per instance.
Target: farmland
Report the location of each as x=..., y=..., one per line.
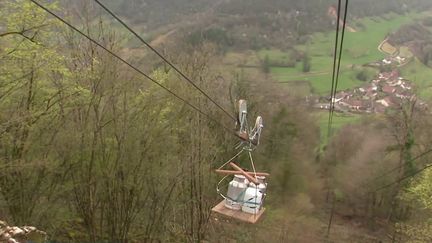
x=359, y=48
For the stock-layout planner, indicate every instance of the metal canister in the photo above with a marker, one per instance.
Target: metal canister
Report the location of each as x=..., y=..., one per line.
x=262, y=187
x=235, y=194
x=252, y=199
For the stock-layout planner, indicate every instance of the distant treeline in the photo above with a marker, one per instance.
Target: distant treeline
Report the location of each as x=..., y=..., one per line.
x=159, y=12
x=417, y=37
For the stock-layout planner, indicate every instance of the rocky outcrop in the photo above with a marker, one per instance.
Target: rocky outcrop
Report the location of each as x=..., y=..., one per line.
x=24, y=234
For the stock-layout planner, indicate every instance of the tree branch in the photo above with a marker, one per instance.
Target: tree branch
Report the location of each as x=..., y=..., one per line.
x=22, y=33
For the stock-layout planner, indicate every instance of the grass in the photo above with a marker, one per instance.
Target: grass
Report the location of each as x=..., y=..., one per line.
x=274, y=54
x=299, y=89
x=421, y=76
x=405, y=52
x=339, y=121
x=359, y=48
x=319, y=80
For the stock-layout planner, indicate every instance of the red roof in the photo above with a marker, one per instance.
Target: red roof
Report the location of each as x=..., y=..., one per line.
x=394, y=73
x=354, y=102
x=388, y=89
x=392, y=100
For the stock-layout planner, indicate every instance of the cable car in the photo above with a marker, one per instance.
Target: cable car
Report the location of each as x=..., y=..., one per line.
x=246, y=192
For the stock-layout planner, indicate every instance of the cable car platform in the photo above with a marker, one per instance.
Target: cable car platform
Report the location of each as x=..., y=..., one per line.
x=237, y=214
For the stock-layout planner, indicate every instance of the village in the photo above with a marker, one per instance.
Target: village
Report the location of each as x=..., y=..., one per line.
x=388, y=90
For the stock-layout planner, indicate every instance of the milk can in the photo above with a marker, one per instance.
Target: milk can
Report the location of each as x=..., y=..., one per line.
x=262, y=187
x=252, y=199
x=235, y=194
x=262, y=184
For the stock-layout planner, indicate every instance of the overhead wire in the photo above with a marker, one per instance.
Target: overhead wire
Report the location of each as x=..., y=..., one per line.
x=335, y=79
x=132, y=66
x=164, y=58
x=399, y=166
x=393, y=170
x=340, y=55
x=330, y=118
x=402, y=178
x=332, y=102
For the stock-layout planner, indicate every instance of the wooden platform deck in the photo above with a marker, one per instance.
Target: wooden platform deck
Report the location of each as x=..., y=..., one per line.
x=239, y=215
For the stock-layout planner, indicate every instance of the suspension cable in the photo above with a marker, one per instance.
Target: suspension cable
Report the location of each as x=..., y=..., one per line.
x=399, y=166
x=340, y=54
x=334, y=89
x=330, y=118
x=403, y=178
x=133, y=67
x=163, y=58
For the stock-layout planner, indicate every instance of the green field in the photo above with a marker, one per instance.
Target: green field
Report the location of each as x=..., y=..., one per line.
x=421, y=75
x=339, y=120
x=359, y=48
x=319, y=80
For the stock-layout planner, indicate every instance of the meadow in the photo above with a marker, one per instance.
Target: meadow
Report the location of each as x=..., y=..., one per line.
x=421, y=75
x=359, y=48
x=339, y=120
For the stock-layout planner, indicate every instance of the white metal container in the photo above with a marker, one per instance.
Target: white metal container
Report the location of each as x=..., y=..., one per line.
x=262, y=187
x=236, y=191
x=263, y=184
x=252, y=199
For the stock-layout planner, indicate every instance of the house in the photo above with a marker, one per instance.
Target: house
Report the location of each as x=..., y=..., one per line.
x=400, y=60
x=388, y=101
x=394, y=82
x=385, y=76
x=389, y=75
x=342, y=95
x=325, y=106
x=383, y=102
x=388, y=89
x=354, y=104
x=386, y=61
x=406, y=86
x=336, y=100
x=379, y=108
x=402, y=93
x=394, y=74
x=370, y=87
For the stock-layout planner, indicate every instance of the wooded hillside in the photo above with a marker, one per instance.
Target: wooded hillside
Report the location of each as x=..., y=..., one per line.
x=112, y=144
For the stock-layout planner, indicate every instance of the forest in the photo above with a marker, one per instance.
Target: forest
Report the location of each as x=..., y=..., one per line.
x=101, y=140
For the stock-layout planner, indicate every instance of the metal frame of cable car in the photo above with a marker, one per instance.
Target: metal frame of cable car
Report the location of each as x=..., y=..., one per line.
x=249, y=140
